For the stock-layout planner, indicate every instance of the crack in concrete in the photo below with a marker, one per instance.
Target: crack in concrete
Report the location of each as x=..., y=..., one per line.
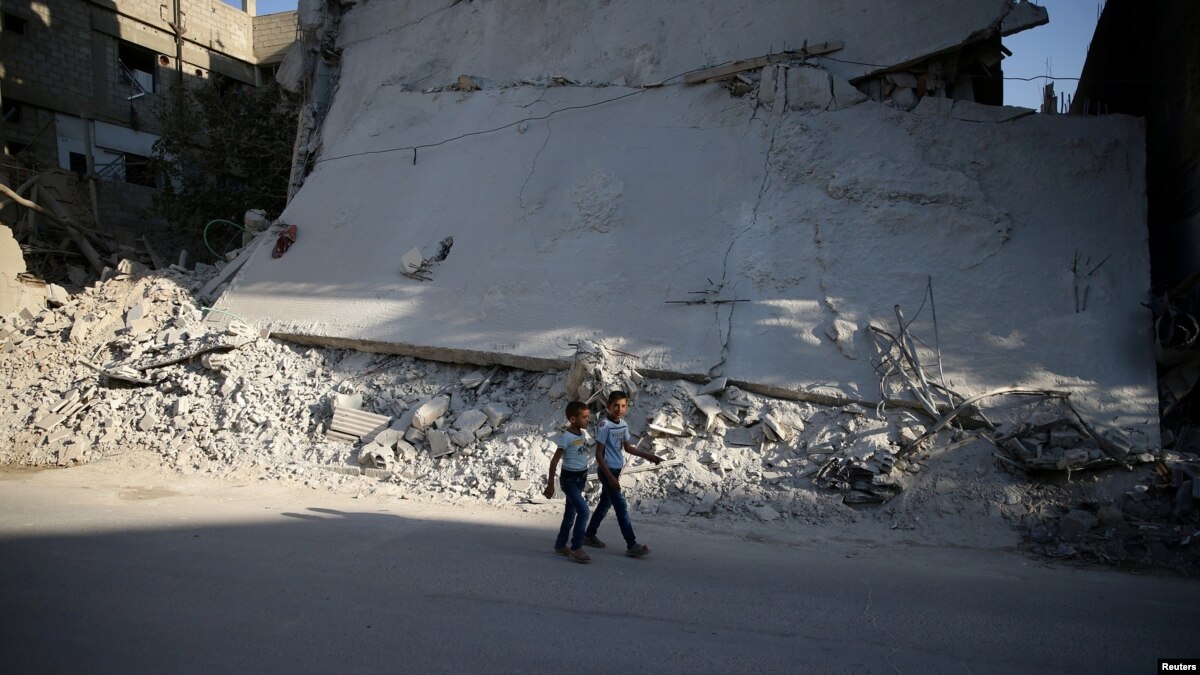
x=406, y=26
x=727, y=335
x=532, y=170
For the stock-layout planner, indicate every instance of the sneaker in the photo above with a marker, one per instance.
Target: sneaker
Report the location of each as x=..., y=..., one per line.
x=593, y=542
x=564, y=551
x=637, y=550
x=579, y=556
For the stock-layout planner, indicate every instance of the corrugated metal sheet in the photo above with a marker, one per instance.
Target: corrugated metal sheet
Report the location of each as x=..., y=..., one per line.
x=359, y=423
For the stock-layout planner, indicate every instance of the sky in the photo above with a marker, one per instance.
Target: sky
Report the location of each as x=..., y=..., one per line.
x=1058, y=48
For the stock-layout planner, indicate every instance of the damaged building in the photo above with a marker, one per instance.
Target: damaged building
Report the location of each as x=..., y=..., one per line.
x=747, y=199
x=82, y=82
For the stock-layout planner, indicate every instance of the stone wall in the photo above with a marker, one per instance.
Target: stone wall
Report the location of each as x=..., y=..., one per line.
x=273, y=34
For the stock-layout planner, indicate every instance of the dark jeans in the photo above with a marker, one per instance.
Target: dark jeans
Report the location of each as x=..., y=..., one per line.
x=576, y=515
x=615, y=499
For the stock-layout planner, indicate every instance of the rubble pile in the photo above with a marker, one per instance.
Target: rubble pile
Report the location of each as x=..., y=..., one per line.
x=135, y=363
x=1153, y=523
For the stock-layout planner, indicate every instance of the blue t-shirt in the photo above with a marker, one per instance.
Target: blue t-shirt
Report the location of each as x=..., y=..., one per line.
x=577, y=450
x=613, y=435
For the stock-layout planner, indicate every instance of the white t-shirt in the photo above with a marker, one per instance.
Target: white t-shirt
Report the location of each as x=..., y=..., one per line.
x=577, y=450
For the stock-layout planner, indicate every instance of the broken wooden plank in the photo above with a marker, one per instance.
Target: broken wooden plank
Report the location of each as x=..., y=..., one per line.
x=735, y=67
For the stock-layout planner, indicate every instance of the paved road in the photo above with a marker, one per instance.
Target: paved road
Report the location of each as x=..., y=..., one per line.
x=111, y=574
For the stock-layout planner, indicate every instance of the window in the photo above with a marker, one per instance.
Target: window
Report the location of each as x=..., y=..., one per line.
x=12, y=111
x=14, y=24
x=137, y=68
x=138, y=171
x=14, y=148
x=78, y=162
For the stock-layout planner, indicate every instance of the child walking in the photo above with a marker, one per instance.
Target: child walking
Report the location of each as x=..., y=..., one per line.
x=573, y=446
x=612, y=440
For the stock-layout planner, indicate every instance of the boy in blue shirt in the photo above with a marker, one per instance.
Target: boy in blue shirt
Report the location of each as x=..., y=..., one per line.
x=612, y=439
x=573, y=447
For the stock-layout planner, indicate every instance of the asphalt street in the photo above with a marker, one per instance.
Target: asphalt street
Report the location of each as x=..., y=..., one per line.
x=129, y=574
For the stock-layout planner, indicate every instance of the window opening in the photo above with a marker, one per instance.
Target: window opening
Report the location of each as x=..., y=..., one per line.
x=137, y=69
x=11, y=111
x=77, y=163
x=14, y=24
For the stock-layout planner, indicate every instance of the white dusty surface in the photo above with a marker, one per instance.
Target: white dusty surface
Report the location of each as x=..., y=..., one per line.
x=817, y=212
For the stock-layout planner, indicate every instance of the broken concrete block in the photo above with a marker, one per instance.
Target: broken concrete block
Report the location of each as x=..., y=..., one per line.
x=815, y=88
x=57, y=436
x=714, y=386
x=932, y=106
x=424, y=414
x=483, y=431
x=49, y=422
x=405, y=450
x=470, y=420
x=764, y=513
x=414, y=435
x=345, y=470
x=1073, y=526
x=473, y=379
x=439, y=443
x=382, y=474
x=375, y=455
x=781, y=431
x=148, y=422
x=140, y=326
x=710, y=407
x=666, y=425
x=520, y=486
x=386, y=438
x=706, y=503
x=904, y=98
x=135, y=313
x=462, y=438
x=771, y=75
x=497, y=413
x=56, y=296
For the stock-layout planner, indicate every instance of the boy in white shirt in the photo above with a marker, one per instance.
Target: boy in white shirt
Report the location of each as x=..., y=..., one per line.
x=611, y=439
x=573, y=449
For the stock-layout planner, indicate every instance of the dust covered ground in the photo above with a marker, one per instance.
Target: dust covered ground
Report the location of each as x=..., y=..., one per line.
x=133, y=374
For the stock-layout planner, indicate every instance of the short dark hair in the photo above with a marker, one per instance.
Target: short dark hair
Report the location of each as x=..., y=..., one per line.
x=617, y=395
x=574, y=408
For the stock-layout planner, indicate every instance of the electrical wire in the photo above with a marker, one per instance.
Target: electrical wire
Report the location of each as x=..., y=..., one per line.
x=229, y=241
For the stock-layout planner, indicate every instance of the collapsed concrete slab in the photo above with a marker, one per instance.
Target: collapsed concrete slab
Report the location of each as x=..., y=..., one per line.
x=753, y=237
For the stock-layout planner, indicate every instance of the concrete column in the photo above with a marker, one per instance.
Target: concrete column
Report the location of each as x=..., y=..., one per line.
x=249, y=8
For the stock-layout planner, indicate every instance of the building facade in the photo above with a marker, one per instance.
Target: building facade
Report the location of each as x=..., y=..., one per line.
x=81, y=80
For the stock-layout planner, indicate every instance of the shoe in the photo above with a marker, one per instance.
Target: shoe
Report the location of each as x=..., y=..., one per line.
x=564, y=551
x=593, y=542
x=579, y=555
x=637, y=550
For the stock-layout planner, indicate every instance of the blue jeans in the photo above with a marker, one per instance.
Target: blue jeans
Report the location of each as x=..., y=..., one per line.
x=576, y=515
x=615, y=499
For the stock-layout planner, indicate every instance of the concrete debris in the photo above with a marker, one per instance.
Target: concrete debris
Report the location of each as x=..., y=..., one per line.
x=353, y=423
x=425, y=414
x=439, y=443
x=598, y=370
x=217, y=400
